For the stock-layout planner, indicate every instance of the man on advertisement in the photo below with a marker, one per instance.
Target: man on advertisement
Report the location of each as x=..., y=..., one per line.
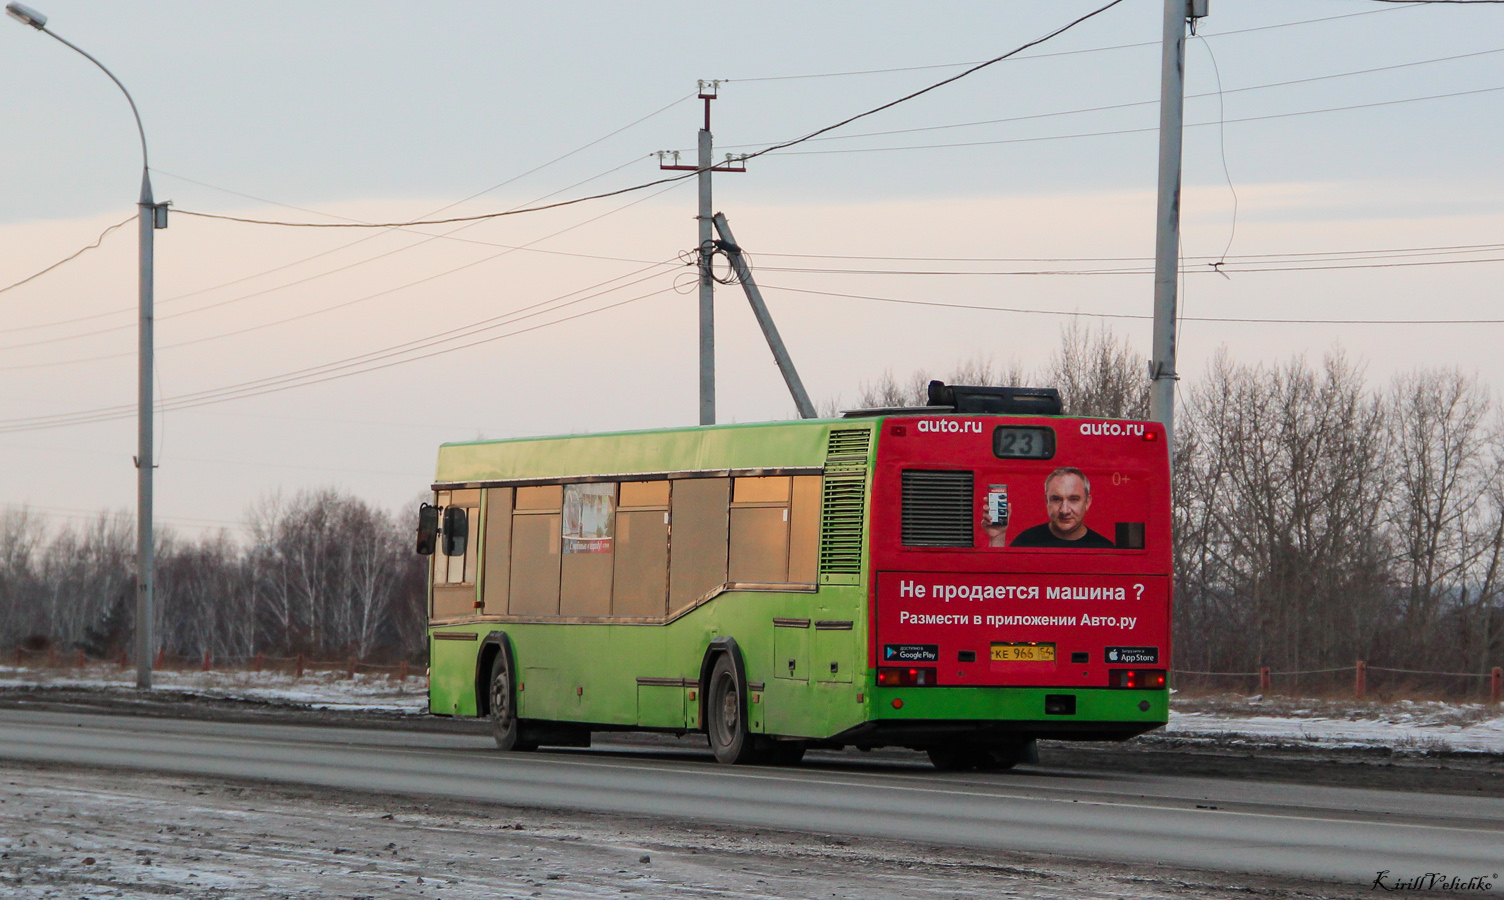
x=1067, y=497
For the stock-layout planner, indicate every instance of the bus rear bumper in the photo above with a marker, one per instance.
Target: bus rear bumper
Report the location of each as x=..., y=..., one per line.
x=918, y=717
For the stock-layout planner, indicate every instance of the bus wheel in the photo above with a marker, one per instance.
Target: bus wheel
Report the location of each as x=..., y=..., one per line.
x=504, y=725
x=730, y=740
x=785, y=753
x=996, y=759
x=1008, y=755
x=955, y=758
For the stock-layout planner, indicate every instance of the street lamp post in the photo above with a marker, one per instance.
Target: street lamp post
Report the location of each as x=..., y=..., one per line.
x=152, y=217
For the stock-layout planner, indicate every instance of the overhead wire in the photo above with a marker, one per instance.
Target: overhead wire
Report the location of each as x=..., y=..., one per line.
x=1222, y=149
x=777, y=147
x=1447, y=248
x=348, y=303
x=937, y=85
x=1097, y=315
x=1120, y=131
x=957, y=65
x=227, y=394
x=673, y=178
x=473, y=196
x=1135, y=270
x=1141, y=103
x=70, y=257
x=221, y=303
x=460, y=332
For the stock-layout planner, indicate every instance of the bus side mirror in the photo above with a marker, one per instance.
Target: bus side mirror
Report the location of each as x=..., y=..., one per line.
x=456, y=531
x=428, y=529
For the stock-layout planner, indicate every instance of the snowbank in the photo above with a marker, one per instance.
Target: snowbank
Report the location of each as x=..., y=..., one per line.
x=1405, y=725
x=333, y=690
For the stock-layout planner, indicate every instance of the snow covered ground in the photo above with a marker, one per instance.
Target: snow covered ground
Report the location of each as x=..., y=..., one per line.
x=1406, y=726
x=1417, y=726
x=317, y=689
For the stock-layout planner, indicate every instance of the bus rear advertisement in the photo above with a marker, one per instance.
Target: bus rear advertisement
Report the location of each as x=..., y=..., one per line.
x=960, y=580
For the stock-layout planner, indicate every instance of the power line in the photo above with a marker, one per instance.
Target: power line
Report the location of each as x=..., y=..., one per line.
x=1139, y=270
x=937, y=85
x=957, y=65
x=1050, y=312
x=1140, y=103
x=488, y=190
x=1121, y=131
x=673, y=178
x=476, y=218
x=492, y=322
x=69, y=258
x=309, y=314
x=110, y=414
x=65, y=512
x=1336, y=254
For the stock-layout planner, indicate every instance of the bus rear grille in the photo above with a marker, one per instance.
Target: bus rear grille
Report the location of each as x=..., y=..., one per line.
x=841, y=515
x=843, y=507
x=938, y=508
x=848, y=446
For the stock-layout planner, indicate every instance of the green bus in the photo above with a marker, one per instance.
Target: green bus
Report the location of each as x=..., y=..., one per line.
x=961, y=579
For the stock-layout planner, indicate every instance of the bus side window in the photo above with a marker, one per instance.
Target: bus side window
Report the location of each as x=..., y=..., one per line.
x=454, y=576
x=804, y=530
x=759, y=529
x=697, y=538
x=496, y=567
x=534, y=589
x=640, y=579
x=440, y=562
x=589, y=527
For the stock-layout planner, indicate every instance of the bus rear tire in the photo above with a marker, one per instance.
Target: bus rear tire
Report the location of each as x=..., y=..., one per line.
x=1007, y=755
x=725, y=714
x=785, y=753
x=503, y=701
x=955, y=758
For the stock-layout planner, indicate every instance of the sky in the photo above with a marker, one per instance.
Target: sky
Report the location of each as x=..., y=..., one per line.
x=1351, y=136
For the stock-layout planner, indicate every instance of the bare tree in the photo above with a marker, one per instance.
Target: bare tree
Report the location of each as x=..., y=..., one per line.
x=1437, y=436
x=1099, y=374
x=1285, y=486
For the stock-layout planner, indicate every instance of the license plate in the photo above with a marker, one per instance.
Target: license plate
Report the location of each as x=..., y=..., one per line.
x=1023, y=652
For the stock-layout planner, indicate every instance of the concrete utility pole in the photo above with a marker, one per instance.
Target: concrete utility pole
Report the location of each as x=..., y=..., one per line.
x=705, y=165
x=153, y=216
x=781, y=356
x=707, y=282
x=1162, y=372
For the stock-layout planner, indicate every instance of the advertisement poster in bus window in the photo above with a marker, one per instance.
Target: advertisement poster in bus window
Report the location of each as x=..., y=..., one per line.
x=589, y=517
x=1067, y=509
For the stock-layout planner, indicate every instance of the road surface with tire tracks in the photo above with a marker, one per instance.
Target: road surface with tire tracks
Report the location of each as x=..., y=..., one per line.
x=1338, y=834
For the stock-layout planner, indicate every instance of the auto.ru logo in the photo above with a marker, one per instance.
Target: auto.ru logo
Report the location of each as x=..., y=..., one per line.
x=949, y=425
x=1133, y=429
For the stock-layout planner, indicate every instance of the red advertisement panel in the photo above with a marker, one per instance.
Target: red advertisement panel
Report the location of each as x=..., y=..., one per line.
x=1022, y=629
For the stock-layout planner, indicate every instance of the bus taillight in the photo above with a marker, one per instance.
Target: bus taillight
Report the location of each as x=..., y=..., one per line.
x=905, y=676
x=1136, y=678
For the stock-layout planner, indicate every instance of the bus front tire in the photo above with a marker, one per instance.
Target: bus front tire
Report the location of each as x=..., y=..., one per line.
x=725, y=712
x=503, y=701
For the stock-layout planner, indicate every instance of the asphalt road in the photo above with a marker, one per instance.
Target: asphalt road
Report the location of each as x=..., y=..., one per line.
x=1344, y=835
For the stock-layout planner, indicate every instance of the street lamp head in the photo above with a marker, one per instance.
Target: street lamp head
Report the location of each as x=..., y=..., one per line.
x=25, y=15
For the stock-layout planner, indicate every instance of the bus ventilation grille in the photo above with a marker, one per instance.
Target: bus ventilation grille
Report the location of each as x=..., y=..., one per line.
x=843, y=504
x=937, y=508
